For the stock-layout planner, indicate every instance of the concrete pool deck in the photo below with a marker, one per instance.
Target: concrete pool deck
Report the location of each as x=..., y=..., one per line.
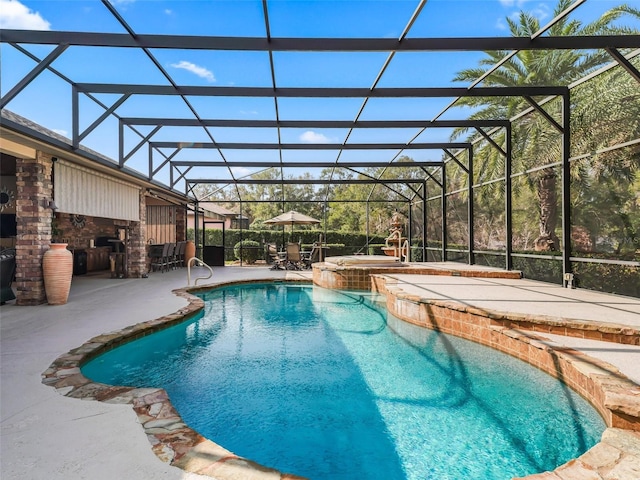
x=47, y=436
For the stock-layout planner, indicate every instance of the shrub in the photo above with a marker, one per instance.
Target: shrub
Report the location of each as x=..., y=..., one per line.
x=247, y=251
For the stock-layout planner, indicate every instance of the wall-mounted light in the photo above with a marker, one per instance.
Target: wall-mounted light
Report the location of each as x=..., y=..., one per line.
x=50, y=204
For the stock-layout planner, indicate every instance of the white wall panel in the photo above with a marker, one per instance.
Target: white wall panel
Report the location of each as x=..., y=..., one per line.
x=83, y=191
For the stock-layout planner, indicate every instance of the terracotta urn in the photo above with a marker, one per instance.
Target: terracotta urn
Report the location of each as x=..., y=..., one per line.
x=57, y=269
x=189, y=251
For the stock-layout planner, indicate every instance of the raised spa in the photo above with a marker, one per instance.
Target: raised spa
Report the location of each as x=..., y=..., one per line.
x=324, y=384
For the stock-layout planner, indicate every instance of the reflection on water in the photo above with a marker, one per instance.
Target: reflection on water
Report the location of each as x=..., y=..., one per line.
x=321, y=383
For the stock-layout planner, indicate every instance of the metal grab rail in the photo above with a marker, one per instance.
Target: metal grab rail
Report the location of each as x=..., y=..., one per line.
x=405, y=251
x=200, y=263
x=400, y=250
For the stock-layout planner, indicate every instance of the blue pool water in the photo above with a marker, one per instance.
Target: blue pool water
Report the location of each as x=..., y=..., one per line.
x=321, y=383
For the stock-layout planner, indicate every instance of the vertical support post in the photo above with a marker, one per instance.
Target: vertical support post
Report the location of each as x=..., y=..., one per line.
x=367, y=220
x=508, y=209
x=196, y=226
x=566, y=189
x=34, y=189
x=75, y=118
x=470, y=212
x=444, y=212
x=150, y=161
x=120, y=142
x=325, y=221
x=410, y=222
x=284, y=240
x=241, y=244
x=424, y=221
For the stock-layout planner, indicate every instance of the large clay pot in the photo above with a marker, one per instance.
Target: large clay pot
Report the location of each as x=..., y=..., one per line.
x=57, y=269
x=189, y=251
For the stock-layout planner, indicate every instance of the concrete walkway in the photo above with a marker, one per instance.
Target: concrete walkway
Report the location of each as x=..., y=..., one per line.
x=47, y=436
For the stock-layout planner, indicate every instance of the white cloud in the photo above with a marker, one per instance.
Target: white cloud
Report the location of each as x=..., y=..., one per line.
x=168, y=11
x=511, y=3
x=542, y=12
x=14, y=14
x=196, y=69
x=241, y=171
x=59, y=131
x=313, y=137
x=249, y=112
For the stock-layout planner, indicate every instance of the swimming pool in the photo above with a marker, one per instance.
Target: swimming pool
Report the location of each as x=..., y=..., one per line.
x=321, y=383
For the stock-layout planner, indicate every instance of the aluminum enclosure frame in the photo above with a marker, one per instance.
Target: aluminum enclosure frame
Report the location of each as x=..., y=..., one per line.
x=62, y=40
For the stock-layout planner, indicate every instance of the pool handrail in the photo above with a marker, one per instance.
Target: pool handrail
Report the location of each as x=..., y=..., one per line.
x=200, y=263
x=404, y=251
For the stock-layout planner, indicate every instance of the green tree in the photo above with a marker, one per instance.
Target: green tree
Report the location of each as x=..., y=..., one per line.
x=535, y=141
x=605, y=193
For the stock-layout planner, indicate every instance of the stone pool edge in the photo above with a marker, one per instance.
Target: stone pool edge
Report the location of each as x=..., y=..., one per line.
x=175, y=443
x=615, y=397
x=170, y=438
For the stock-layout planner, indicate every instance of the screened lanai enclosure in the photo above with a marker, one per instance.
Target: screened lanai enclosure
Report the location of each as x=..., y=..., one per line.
x=519, y=151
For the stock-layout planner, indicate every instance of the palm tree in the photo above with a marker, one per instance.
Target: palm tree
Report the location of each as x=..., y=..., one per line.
x=535, y=142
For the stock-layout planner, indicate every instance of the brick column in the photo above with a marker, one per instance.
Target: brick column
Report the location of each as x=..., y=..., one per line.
x=181, y=224
x=34, y=188
x=137, y=242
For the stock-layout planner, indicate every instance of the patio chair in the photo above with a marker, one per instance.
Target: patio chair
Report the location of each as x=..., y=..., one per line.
x=171, y=256
x=313, y=257
x=293, y=259
x=155, y=255
x=160, y=262
x=179, y=255
x=7, y=273
x=271, y=256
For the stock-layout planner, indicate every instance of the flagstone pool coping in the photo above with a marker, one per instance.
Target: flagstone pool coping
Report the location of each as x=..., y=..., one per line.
x=617, y=455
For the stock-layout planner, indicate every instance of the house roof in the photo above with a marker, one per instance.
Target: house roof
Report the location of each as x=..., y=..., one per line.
x=215, y=208
x=18, y=129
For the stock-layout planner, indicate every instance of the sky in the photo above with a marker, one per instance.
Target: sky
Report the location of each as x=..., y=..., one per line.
x=47, y=100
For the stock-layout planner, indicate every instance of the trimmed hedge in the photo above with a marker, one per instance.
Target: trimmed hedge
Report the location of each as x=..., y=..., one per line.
x=247, y=251
x=339, y=243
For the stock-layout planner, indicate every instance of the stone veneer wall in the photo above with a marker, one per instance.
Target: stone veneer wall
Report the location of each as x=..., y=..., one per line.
x=615, y=397
x=34, y=187
x=137, y=242
x=79, y=237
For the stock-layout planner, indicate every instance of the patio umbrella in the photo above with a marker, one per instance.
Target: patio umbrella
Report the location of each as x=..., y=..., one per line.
x=291, y=218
